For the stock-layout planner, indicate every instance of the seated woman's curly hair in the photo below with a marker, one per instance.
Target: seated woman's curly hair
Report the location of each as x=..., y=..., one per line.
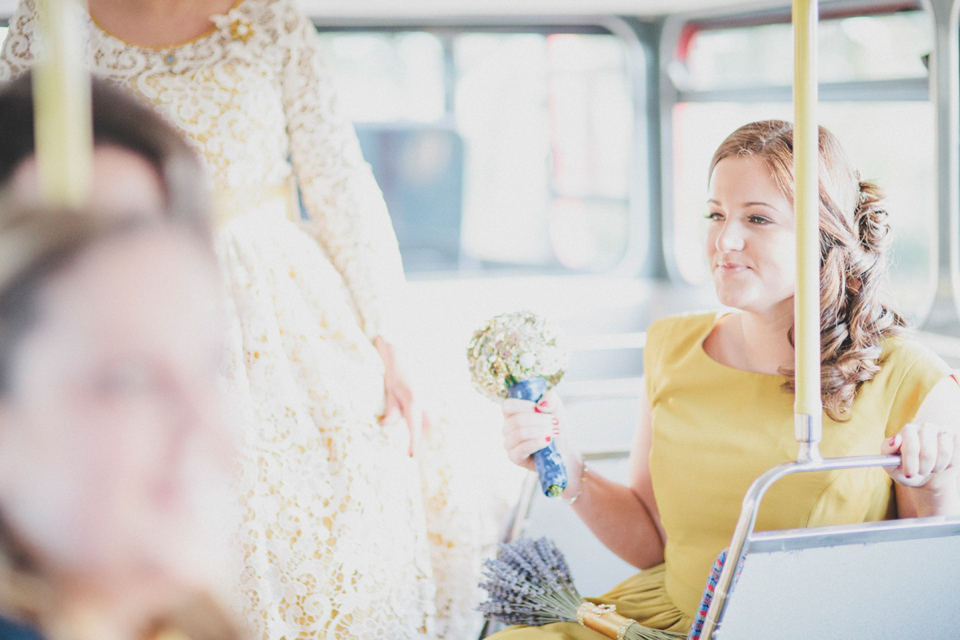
x=854, y=238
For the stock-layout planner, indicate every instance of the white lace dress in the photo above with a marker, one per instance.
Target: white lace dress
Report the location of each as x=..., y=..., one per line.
x=344, y=536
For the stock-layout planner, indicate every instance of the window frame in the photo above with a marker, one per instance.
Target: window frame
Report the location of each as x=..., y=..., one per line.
x=677, y=30
x=642, y=246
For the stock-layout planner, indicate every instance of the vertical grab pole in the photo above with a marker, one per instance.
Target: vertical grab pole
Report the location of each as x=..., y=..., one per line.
x=63, y=121
x=807, y=405
x=808, y=409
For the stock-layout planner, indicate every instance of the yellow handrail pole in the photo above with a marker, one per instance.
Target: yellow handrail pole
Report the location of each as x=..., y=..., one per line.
x=63, y=121
x=808, y=408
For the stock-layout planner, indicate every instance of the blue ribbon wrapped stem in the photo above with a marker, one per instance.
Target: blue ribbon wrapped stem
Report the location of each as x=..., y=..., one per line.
x=550, y=467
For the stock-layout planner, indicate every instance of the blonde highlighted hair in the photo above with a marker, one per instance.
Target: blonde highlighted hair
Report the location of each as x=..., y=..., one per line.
x=854, y=238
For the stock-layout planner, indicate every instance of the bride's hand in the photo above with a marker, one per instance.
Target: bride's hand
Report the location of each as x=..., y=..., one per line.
x=400, y=398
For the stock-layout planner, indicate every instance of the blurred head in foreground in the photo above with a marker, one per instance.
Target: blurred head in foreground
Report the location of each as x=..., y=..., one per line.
x=114, y=456
x=141, y=164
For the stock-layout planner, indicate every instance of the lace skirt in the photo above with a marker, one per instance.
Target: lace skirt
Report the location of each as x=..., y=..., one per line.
x=335, y=540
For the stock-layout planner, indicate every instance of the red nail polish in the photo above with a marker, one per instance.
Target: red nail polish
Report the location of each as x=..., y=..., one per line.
x=537, y=408
x=549, y=438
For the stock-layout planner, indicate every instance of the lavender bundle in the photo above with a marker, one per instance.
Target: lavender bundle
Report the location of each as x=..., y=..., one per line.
x=529, y=583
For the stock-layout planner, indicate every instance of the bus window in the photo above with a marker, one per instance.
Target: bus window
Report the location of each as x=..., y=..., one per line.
x=496, y=150
x=875, y=47
x=874, y=97
x=388, y=77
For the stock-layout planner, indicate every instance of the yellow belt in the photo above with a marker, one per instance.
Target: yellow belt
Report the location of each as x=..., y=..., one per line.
x=230, y=203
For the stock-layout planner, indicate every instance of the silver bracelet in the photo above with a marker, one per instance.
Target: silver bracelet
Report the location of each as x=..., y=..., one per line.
x=583, y=479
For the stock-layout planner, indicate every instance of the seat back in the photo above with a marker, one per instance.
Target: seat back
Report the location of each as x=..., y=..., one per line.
x=896, y=579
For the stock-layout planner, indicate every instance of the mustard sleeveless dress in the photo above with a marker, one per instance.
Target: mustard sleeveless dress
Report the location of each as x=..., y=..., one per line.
x=715, y=429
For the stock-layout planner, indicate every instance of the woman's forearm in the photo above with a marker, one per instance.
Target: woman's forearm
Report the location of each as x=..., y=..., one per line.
x=619, y=519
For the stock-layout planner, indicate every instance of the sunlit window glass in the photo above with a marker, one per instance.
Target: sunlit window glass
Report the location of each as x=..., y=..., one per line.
x=388, y=77
x=872, y=134
x=878, y=47
x=495, y=150
x=889, y=140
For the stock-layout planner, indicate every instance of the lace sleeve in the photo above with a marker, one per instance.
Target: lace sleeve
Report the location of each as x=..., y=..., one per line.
x=17, y=54
x=346, y=209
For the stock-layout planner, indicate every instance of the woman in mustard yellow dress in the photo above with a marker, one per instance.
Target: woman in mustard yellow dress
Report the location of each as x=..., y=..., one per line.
x=717, y=410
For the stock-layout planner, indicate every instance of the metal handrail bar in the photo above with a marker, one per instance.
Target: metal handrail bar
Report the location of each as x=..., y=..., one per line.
x=748, y=519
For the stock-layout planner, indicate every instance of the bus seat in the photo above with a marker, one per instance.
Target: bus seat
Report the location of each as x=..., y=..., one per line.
x=895, y=579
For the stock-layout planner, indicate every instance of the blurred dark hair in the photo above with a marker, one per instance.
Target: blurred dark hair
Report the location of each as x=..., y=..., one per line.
x=119, y=120
x=36, y=244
